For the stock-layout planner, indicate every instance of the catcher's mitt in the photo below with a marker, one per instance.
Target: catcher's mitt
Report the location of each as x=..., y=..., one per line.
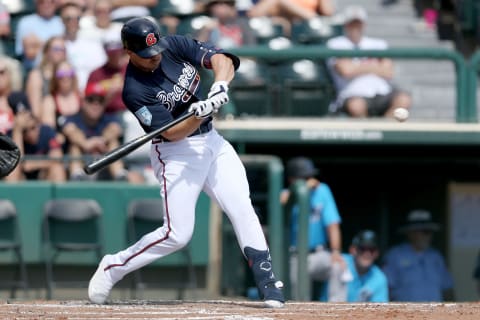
x=9, y=155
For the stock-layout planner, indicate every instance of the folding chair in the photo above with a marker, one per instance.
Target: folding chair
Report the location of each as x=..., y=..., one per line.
x=144, y=216
x=70, y=225
x=10, y=242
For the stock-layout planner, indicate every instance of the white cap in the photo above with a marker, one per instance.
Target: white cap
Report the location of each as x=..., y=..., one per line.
x=355, y=12
x=112, y=39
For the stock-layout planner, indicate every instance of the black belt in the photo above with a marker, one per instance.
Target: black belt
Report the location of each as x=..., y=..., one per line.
x=204, y=128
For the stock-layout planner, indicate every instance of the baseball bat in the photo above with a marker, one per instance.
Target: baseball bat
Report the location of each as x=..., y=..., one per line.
x=130, y=146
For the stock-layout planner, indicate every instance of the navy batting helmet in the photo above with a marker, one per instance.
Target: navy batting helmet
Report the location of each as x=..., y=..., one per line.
x=142, y=36
x=301, y=167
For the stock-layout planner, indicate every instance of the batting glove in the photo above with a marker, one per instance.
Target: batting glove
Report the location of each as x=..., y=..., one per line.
x=202, y=109
x=219, y=94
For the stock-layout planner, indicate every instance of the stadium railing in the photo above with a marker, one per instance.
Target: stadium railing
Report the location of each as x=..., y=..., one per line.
x=464, y=111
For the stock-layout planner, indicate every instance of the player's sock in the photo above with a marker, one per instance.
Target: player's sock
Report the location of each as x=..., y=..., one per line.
x=269, y=288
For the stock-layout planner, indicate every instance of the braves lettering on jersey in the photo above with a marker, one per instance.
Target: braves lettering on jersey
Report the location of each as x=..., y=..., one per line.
x=157, y=97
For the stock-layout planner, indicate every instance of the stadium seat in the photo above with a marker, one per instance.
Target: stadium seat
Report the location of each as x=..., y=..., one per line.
x=306, y=88
x=10, y=242
x=265, y=29
x=176, y=8
x=144, y=216
x=313, y=31
x=251, y=89
x=70, y=226
x=190, y=26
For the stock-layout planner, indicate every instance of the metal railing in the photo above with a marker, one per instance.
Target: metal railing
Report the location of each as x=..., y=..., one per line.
x=464, y=110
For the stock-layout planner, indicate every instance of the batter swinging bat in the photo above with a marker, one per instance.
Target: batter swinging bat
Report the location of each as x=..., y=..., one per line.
x=130, y=146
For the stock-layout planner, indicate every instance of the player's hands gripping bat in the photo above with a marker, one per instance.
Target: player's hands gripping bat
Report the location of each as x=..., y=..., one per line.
x=219, y=94
x=9, y=155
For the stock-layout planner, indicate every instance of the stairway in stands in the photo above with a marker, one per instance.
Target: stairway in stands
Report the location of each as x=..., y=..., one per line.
x=430, y=82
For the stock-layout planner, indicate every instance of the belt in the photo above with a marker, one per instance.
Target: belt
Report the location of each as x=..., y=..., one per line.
x=204, y=128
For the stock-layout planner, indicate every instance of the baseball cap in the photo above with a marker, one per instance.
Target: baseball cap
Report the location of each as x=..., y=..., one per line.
x=355, y=12
x=419, y=219
x=365, y=238
x=301, y=167
x=95, y=89
x=112, y=40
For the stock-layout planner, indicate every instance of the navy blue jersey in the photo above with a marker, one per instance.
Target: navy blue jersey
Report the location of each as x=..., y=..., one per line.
x=158, y=97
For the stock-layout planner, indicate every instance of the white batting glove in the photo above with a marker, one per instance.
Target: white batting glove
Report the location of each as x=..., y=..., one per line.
x=202, y=109
x=219, y=94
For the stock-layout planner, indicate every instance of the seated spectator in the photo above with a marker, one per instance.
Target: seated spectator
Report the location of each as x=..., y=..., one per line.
x=325, y=261
x=4, y=22
x=85, y=54
x=35, y=139
x=126, y=9
x=363, y=85
x=64, y=98
x=288, y=12
x=227, y=29
x=95, y=26
x=416, y=271
x=10, y=82
x=369, y=283
x=34, y=29
x=293, y=10
x=37, y=84
x=92, y=132
x=476, y=273
x=111, y=75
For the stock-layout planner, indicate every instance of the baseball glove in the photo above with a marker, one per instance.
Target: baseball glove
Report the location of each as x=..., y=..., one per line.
x=9, y=155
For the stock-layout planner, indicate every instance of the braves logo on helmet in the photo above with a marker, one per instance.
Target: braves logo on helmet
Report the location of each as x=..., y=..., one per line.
x=150, y=39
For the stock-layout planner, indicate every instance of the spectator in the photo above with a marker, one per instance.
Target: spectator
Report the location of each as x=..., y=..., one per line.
x=4, y=22
x=325, y=261
x=92, y=132
x=84, y=54
x=126, y=9
x=34, y=139
x=363, y=85
x=227, y=29
x=94, y=27
x=111, y=75
x=37, y=84
x=476, y=273
x=292, y=10
x=416, y=272
x=369, y=283
x=10, y=82
x=63, y=100
x=34, y=29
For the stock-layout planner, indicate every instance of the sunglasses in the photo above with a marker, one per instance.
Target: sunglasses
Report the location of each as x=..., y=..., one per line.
x=95, y=99
x=367, y=249
x=64, y=74
x=57, y=48
x=71, y=18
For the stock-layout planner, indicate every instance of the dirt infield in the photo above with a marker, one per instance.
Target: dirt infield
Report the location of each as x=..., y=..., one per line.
x=234, y=310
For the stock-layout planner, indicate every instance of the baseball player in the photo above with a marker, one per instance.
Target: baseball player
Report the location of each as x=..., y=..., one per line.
x=162, y=82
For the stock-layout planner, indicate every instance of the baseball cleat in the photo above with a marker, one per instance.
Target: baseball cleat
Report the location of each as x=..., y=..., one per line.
x=100, y=285
x=273, y=296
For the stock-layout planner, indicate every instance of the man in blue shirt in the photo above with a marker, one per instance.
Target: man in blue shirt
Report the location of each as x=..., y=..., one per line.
x=325, y=261
x=417, y=272
x=369, y=283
